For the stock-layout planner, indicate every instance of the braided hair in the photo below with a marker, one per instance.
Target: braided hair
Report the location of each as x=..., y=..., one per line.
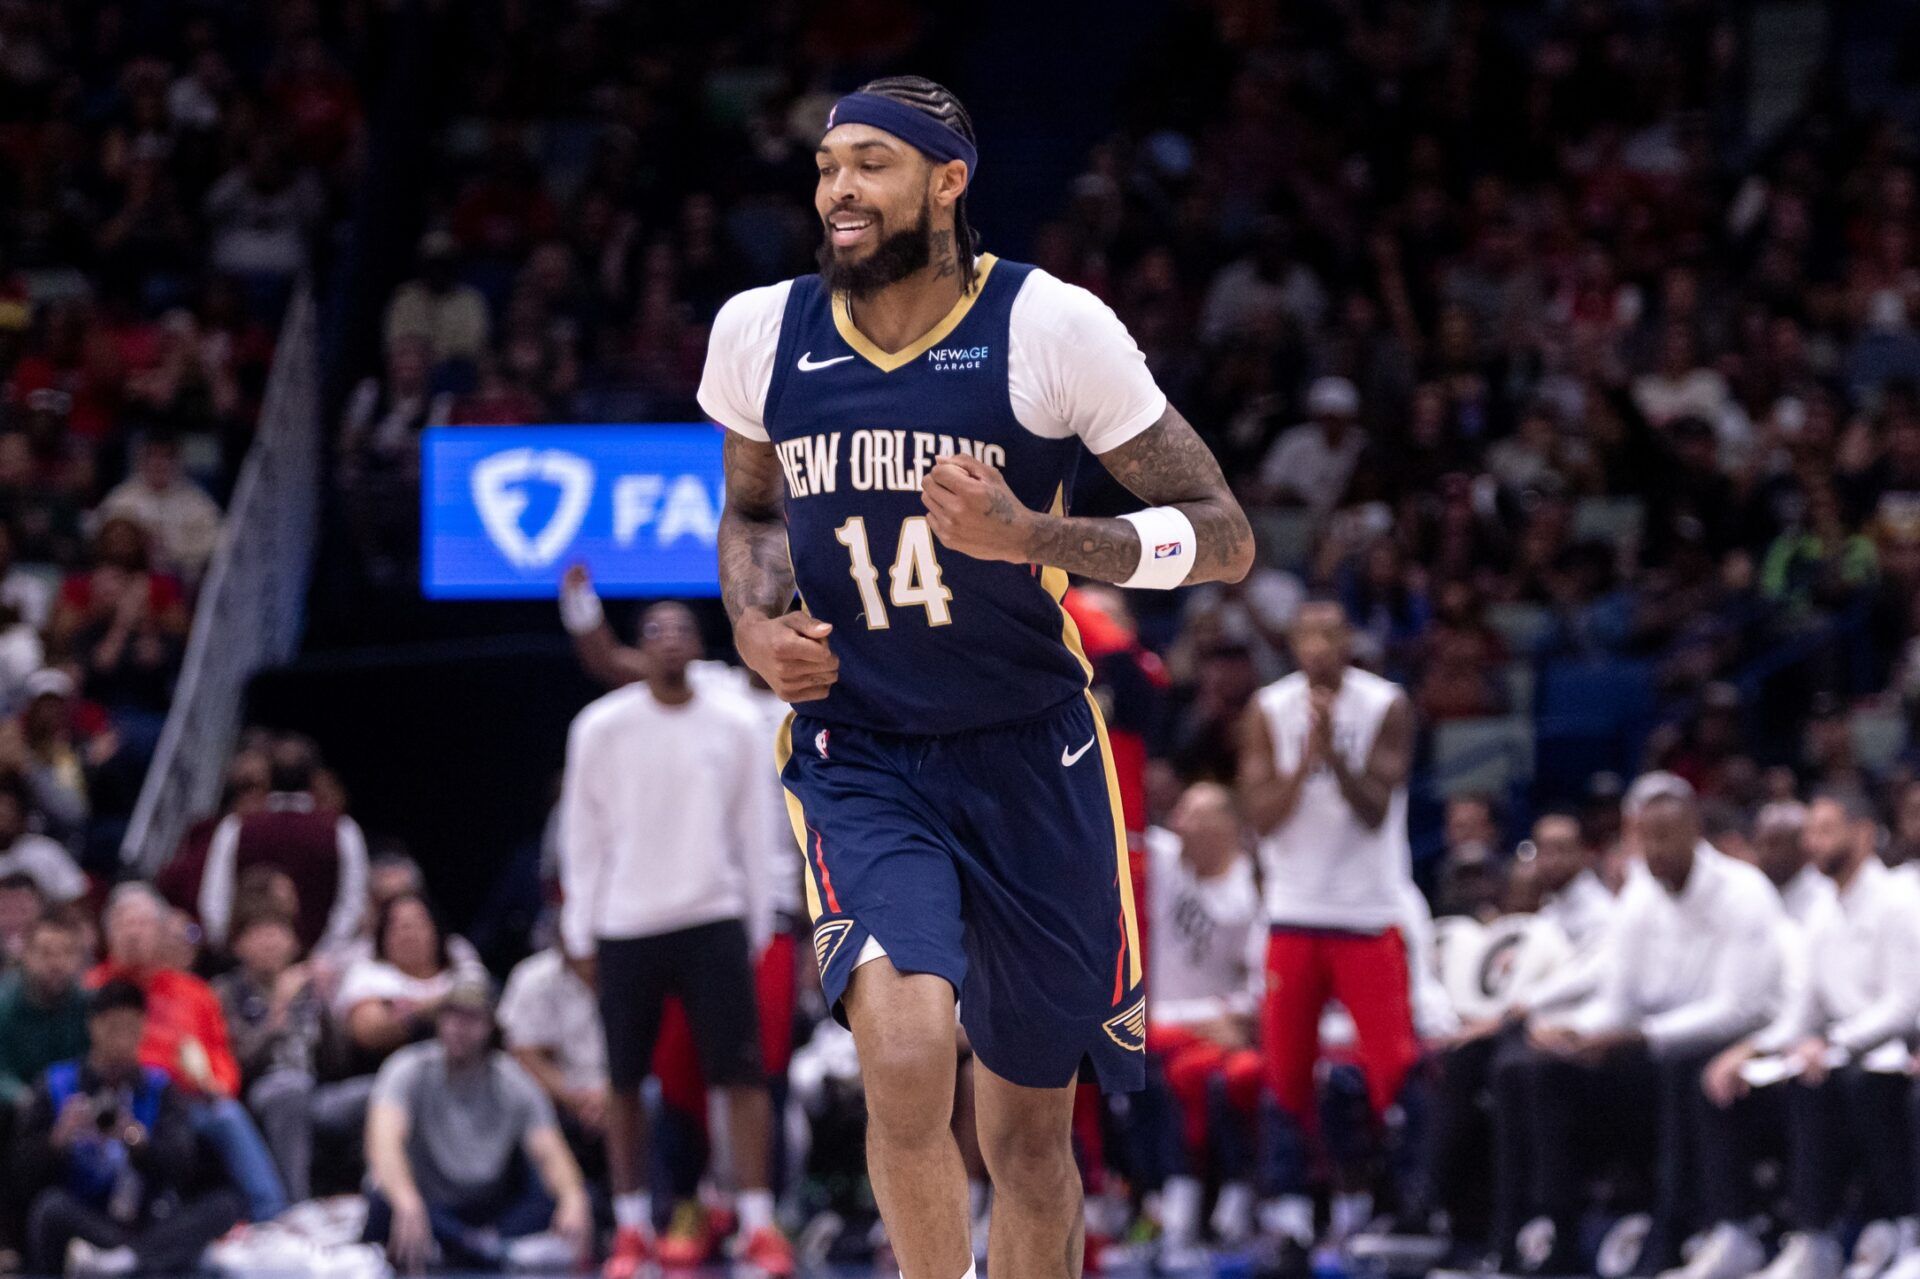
x=938, y=101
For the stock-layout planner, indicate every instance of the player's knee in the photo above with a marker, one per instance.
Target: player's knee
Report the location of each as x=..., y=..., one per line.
x=1027, y=1159
x=909, y=1087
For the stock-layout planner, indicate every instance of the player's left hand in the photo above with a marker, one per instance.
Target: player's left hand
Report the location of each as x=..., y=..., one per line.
x=971, y=510
x=1320, y=725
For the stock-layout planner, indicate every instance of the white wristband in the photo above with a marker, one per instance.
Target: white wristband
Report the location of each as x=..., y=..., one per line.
x=580, y=610
x=1168, y=546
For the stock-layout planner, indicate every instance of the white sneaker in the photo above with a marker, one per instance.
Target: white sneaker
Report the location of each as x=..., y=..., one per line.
x=1879, y=1243
x=543, y=1252
x=1905, y=1266
x=1233, y=1213
x=84, y=1261
x=1173, y=1257
x=1805, y=1256
x=1728, y=1252
x=1622, y=1245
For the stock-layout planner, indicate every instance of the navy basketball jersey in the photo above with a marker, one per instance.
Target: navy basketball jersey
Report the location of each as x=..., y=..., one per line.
x=930, y=641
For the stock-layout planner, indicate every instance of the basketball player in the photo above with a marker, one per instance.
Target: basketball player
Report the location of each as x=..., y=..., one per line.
x=1323, y=773
x=1205, y=910
x=904, y=430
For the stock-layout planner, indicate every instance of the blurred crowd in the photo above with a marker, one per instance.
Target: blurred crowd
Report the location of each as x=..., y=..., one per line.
x=166, y=175
x=1513, y=336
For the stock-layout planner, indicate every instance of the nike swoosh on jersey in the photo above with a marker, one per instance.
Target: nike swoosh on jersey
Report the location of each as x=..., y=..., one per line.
x=1069, y=758
x=808, y=364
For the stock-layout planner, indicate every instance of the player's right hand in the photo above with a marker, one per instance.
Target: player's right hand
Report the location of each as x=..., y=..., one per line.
x=790, y=652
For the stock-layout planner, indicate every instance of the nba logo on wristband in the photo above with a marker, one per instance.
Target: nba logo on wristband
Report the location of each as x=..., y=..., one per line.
x=1165, y=549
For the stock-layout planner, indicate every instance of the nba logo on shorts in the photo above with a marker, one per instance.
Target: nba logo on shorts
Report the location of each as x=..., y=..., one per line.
x=1164, y=549
x=820, y=742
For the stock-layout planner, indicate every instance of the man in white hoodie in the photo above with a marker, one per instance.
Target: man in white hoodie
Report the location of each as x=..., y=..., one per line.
x=1694, y=963
x=1830, y=1068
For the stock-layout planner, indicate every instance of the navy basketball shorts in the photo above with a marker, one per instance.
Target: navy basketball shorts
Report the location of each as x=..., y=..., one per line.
x=995, y=859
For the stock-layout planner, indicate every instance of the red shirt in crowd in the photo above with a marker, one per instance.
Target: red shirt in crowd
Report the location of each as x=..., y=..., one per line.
x=182, y=1012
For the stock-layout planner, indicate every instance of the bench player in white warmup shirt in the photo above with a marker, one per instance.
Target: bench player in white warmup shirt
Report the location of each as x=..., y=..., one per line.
x=1323, y=774
x=1204, y=916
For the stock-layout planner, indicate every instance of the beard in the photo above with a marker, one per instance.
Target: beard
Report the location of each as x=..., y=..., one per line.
x=898, y=255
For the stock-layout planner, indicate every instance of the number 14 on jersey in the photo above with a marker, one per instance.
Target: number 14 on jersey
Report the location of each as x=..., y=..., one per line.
x=914, y=578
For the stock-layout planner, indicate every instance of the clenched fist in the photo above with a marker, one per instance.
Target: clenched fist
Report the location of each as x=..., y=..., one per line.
x=790, y=652
x=971, y=509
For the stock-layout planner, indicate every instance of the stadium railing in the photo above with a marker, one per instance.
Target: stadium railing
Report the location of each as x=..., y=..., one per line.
x=252, y=601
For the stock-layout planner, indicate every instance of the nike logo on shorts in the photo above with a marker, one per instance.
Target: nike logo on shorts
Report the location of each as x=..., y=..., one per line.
x=808, y=364
x=1069, y=758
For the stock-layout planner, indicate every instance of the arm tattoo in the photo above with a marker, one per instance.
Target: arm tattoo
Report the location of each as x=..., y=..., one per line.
x=1166, y=465
x=756, y=571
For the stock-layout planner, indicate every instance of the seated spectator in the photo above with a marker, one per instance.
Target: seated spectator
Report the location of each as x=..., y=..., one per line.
x=1694, y=963
x=391, y=873
x=1312, y=464
x=1463, y=657
x=21, y=850
x=321, y=850
x=43, y=1020
x=390, y=998
x=107, y=1151
x=186, y=383
x=21, y=902
x=186, y=1036
x=28, y=594
x=44, y=518
x=249, y=779
x=21, y=654
x=1860, y=992
x=438, y=307
x=380, y=435
x=550, y=1021
x=277, y=1019
x=43, y=1012
x=56, y=764
x=182, y=520
x=125, y=623
x=465, y=1159
x=1204, y=736
x=261, y=213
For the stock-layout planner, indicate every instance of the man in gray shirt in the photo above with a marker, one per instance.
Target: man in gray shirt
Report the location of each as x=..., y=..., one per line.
x=465, y=1158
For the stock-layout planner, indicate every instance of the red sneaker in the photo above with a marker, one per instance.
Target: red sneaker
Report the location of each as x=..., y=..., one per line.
x=689, y=1239
x=768, y=1251
x=630, y=1253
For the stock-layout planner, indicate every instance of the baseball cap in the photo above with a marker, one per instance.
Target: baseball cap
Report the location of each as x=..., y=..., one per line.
x=1651, y=786
x=470, y=995
x=1785, y=813
x=1333, y=397
x=49, y=681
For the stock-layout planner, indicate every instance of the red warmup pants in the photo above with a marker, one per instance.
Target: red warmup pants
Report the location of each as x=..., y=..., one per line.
x=1191, y=1062
x=677, y=1065
x=1368, y=975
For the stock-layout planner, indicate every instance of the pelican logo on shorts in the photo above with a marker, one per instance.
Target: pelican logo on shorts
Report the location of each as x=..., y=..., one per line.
x=820, y=742
x=500, y=495
x=1129, y=1029
x=827, y=937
